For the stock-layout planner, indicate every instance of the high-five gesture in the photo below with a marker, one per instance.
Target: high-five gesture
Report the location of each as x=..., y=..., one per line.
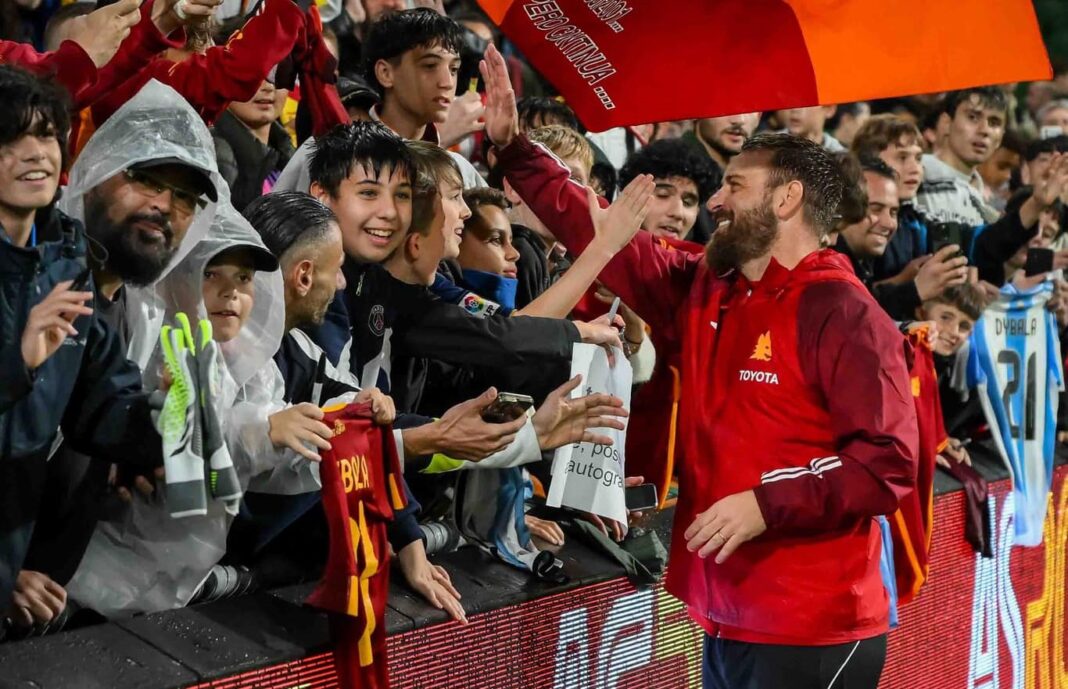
x=616, y=225
x=501, y=116
x=613, y=228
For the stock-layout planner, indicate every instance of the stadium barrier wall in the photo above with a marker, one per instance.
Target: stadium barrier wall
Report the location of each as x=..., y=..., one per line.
x=977, y=624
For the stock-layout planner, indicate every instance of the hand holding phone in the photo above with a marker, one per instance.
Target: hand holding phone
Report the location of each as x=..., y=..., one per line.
x=508, y=406
x=641, y=497
x=946, y=268
x=943, y=234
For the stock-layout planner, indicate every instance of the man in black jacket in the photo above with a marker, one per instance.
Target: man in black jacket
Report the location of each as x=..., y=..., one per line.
x=86, y=388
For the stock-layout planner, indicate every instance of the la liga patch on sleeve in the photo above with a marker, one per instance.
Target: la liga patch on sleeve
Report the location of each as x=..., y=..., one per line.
x=477, y=306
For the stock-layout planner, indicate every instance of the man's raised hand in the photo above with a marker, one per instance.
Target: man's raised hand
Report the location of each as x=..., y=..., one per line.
x=501, y=115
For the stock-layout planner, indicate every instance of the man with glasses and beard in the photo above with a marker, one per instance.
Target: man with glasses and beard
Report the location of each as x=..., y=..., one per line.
x=797, y=420
x=145, y=186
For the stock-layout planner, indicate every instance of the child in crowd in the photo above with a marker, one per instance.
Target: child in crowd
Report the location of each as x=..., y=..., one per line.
x=954, y=313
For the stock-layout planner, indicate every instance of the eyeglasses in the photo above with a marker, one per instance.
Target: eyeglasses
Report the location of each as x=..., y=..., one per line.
x=184, y=201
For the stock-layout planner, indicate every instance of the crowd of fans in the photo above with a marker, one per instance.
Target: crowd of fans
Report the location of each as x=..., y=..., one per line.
x=328, y=196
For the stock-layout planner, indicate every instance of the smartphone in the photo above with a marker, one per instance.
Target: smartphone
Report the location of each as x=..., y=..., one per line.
x=942, y=234
x=508, y=406
x=640, y=498
x=1039, y=261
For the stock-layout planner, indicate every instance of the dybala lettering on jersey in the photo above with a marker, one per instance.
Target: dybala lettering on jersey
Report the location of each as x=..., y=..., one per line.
x=1015, y=326
x=355, y=474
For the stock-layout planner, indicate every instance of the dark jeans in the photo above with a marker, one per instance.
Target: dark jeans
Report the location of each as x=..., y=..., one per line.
x=740, y=665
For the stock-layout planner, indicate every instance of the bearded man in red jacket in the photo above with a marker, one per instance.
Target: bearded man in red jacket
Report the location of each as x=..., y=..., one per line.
x=797, y=420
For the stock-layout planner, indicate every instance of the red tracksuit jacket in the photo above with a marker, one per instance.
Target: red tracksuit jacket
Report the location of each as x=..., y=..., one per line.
x=223, y=74
x=794, y=387
x=73, y=68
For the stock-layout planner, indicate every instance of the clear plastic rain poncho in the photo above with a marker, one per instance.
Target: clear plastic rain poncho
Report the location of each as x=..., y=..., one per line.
x=155, y=124
x=144, y=560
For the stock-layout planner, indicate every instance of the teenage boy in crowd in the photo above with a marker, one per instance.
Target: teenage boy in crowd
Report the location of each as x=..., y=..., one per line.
x=87, y=389
x=969, y=129
x=413, y=58
x=684, y=181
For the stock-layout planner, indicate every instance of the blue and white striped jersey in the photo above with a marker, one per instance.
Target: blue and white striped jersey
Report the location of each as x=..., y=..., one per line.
x=1015, y=363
